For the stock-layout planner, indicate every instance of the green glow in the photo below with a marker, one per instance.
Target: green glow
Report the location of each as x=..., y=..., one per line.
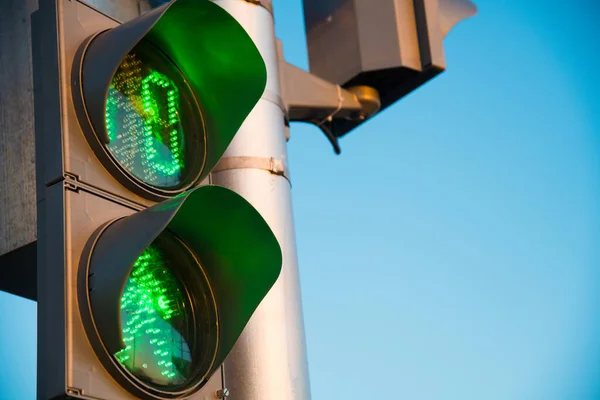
x=163, y=302
x=153, y=308
x=150, y=122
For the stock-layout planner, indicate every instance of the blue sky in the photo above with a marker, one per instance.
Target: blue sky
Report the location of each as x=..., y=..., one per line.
x=451, y=251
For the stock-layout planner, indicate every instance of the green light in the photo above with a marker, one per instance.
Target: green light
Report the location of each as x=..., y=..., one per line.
x=153, y=122
x=163, y=302
x=167, y=321
x=153, y=309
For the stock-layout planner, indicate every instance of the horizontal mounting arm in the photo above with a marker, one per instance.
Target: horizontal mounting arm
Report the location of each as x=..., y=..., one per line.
x=308, y=98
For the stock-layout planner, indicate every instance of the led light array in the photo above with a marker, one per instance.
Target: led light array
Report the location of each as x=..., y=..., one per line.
x=143, y=123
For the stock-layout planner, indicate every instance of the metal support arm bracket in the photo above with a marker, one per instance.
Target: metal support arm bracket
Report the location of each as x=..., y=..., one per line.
x=308, y=98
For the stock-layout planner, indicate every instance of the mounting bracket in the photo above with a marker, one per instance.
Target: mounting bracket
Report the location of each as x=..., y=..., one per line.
x=308, y=98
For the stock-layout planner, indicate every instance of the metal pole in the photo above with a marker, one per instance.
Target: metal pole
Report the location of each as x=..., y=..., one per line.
x=269, y=360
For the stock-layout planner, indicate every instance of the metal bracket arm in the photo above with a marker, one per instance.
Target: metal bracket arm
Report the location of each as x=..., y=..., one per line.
x=308, y=98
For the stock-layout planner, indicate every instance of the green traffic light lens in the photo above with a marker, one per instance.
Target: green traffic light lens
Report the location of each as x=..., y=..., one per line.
x=153, y=123
x=168, y=317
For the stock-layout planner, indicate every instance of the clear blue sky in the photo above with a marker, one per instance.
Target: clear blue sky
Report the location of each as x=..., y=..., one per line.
x=453, y=250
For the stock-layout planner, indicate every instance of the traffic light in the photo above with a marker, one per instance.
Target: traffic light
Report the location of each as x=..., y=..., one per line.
x=147, y=274
x=378, y=50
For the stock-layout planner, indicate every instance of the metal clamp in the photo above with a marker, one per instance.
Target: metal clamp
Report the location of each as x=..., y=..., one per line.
x=274, y=166
x=266, y=4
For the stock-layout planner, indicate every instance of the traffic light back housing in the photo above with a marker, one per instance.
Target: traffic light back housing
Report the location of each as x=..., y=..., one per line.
x=391, y=46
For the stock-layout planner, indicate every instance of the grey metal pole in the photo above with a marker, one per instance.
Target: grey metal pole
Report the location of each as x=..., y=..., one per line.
x=269, y=360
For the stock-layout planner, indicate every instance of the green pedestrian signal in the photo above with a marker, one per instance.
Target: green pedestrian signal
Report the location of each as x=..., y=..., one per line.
x=147, y=274
x=163, y=308
x=154, y=130
x=161, y=97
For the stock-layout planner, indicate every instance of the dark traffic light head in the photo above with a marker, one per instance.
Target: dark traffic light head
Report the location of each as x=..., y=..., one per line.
x=393, y=47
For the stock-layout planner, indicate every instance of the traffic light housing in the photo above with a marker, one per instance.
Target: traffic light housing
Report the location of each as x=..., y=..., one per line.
x=393, y=47
x=146, y=274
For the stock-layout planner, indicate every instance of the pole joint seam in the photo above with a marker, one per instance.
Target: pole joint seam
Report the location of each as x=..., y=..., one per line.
x=72, y=182
x=274, y=98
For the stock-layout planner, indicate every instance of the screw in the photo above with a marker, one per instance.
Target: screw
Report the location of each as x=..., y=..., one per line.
x=222, y=393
